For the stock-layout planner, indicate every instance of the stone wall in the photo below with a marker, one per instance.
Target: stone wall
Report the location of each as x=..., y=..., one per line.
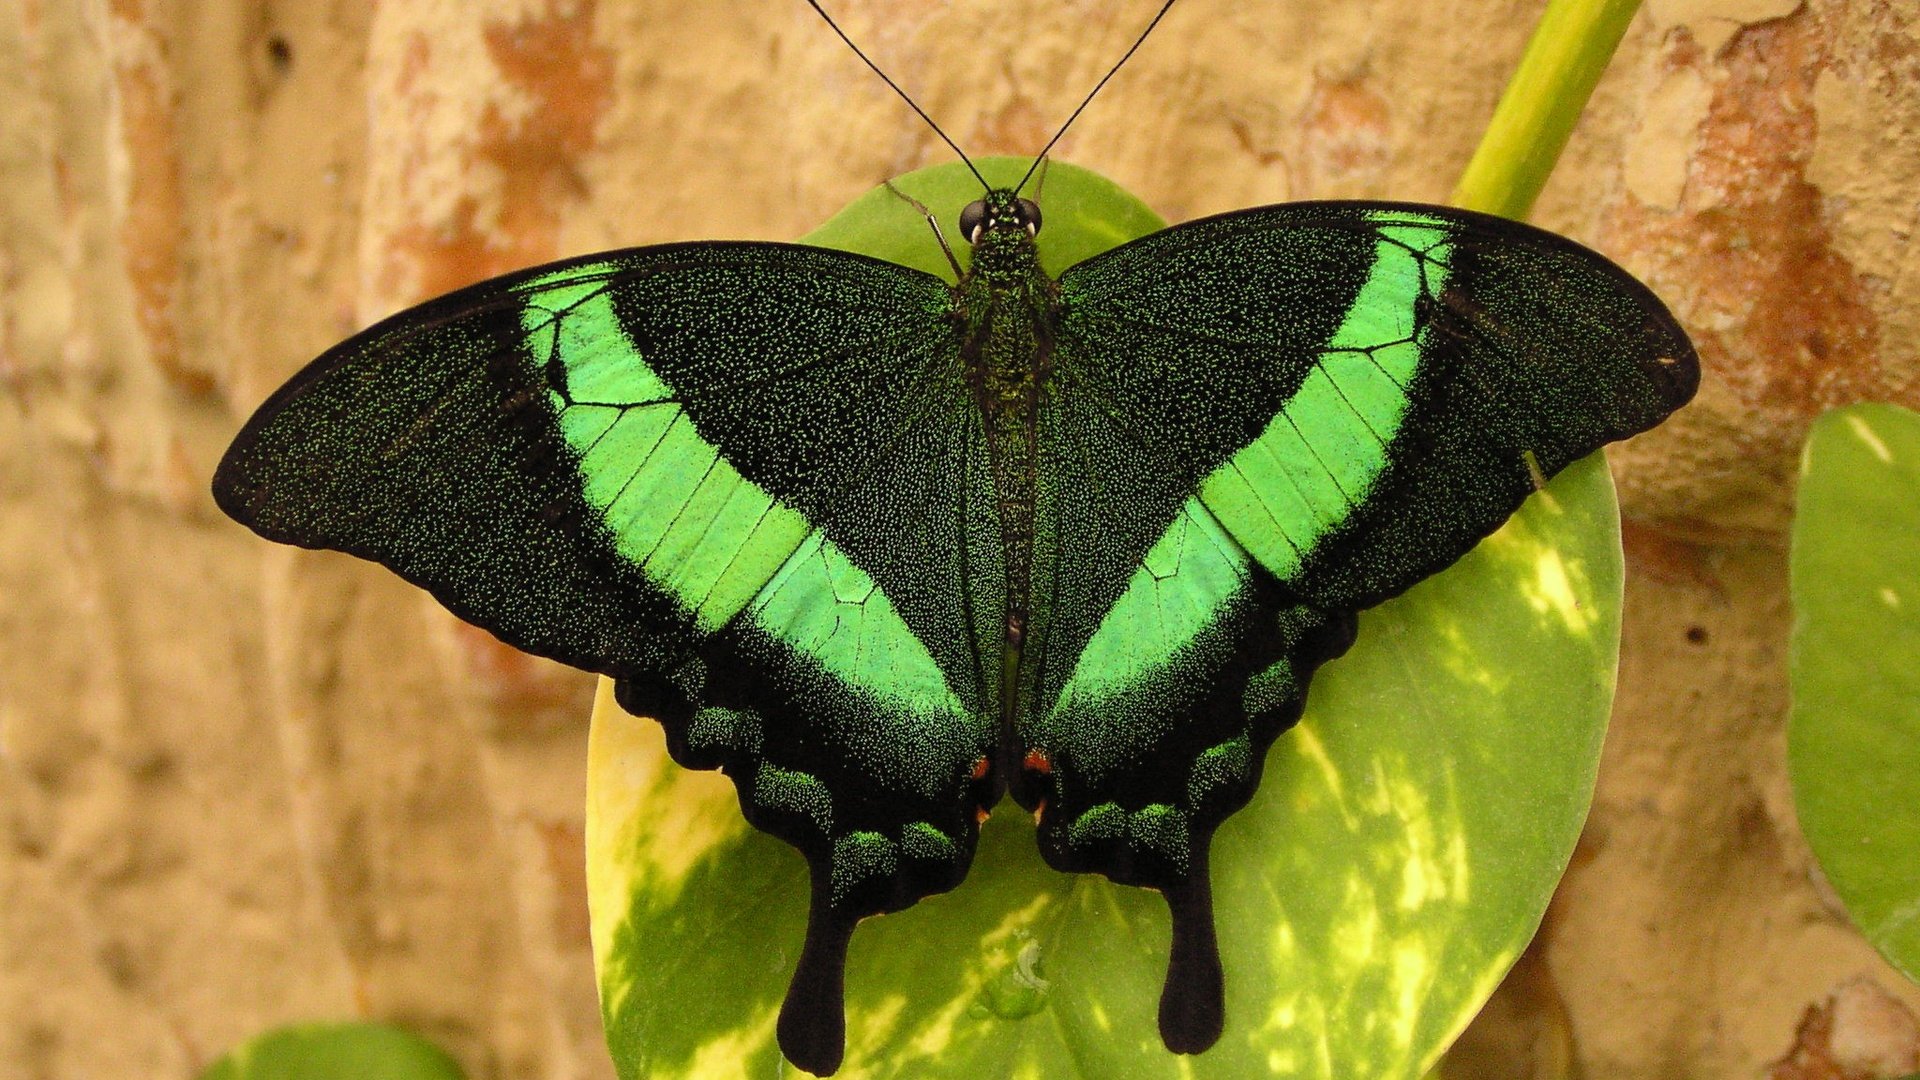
x=242, y=784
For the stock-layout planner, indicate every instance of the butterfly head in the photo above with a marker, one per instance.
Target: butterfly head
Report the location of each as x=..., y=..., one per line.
x=1000, y=210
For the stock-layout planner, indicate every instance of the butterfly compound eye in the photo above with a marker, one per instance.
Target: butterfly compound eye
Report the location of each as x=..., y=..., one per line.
x=1030, y=216
x=973, y=219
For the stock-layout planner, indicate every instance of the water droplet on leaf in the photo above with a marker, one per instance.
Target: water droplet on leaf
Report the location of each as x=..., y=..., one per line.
x=1020, y=989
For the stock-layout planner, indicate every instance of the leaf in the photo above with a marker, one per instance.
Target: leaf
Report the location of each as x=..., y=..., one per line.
x=1396, y=861
x=1853, y=741
x=333, y=1051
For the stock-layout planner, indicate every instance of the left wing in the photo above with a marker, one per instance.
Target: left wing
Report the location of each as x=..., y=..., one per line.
x=735, y=477
x=1258, y=424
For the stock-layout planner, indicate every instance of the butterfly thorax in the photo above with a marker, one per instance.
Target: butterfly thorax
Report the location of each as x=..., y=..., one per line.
x=1007, y=301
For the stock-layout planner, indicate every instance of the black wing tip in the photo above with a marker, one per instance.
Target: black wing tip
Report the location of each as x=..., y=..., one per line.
x=244, y=499
x=235, y=492
x=1675, y=368
x=233, y=497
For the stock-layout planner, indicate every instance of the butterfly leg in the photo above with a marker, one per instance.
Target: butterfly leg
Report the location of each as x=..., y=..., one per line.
x=934, y=222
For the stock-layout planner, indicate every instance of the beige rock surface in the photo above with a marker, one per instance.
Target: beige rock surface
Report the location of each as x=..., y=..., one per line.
x=242, y=785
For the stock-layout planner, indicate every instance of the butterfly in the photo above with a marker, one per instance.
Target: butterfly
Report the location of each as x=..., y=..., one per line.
x=883, y=549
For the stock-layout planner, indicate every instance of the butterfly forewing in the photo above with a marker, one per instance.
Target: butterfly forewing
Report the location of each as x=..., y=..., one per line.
x=1266, y=421
x=1376, y=385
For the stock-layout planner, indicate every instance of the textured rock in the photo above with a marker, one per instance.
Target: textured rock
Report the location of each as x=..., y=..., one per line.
x=243, y=785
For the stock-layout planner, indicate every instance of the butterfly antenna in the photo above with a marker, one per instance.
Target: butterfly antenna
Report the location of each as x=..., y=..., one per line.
x=815, y=5
x=1042, y=156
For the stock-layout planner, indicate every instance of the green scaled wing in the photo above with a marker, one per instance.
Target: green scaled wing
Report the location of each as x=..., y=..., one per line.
x=736, y=478
x=1259, y=424
x=1361, y=391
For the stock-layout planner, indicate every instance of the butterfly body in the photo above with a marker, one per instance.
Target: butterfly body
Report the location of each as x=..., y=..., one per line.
x=1006, y=303
x=883, y=548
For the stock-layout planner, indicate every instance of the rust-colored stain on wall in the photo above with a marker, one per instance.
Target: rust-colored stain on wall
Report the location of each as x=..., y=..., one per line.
x=242, y=785
x=151, y=231
x=548, y=89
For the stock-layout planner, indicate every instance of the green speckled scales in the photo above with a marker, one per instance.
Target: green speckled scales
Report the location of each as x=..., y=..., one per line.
x=882, y=548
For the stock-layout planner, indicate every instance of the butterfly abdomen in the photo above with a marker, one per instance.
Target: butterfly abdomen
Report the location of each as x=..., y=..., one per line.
x=1006, y=351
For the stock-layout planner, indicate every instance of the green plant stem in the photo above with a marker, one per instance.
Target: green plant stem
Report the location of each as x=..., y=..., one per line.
x=1563, y=62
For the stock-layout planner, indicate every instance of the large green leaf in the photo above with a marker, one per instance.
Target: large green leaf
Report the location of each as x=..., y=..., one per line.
x=335, y=1052
x=1853, y=742
x=1397, y=859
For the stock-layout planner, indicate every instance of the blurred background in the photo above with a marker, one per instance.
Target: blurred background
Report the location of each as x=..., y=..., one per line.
x=242, y=785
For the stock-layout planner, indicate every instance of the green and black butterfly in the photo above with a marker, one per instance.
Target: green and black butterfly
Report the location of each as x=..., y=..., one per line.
x=883, y=549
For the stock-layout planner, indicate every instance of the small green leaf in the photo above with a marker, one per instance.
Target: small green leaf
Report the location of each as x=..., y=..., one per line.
x=1396, y=861
x=1853, y=741
x=335, y=1052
